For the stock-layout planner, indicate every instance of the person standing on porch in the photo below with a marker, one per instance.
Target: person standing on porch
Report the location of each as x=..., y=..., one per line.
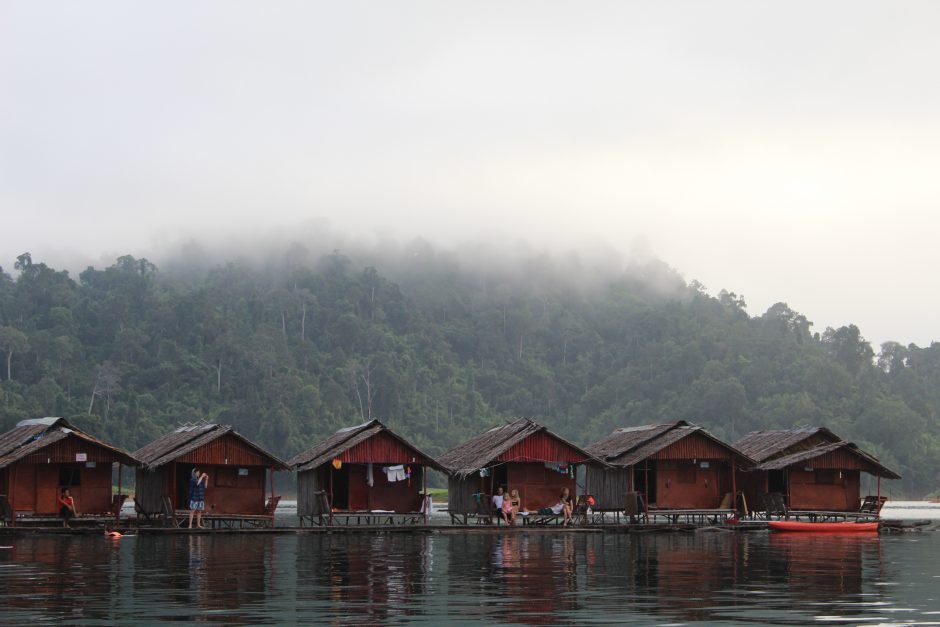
x=67, y=506
x=197, y=497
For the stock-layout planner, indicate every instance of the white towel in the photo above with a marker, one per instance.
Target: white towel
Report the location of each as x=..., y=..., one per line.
x=369, y=479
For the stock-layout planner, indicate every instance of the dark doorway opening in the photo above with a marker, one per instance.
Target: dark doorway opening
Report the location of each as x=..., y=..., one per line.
x=644, y=481
x=500, y=478
x=339, y=484
x=777, y=482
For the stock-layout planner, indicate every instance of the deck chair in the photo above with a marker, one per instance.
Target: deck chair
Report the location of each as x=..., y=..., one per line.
x=271, y=506
x=117, y=502
x=141, y=513
x=169, y=514
x=579, y=515
x=635, y=507
x=872, y=505
x=484, y=508
x=775, y=505
x=6, y=511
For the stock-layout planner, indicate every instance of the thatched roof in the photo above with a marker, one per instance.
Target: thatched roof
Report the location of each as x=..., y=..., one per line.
x=631, y=445
x=30, y=436
x=483, y=450
x=345, y=439
x=190, y=437
x=870, y=463
x=771, y=443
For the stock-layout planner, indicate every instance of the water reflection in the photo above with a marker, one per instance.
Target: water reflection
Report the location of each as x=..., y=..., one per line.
x=221, y=576
x=508, y=578
x=365, y=578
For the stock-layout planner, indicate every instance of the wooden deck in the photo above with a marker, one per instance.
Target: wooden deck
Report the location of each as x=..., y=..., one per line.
x=363, y=518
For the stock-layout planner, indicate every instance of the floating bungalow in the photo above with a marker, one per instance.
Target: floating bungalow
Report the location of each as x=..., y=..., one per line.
x=523, y=456
x=41, y=456
x=811, y=467
x=238, y=469
x=673, y=466
x=367, y=474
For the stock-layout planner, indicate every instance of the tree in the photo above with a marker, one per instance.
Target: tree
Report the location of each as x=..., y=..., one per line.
x=12, y=340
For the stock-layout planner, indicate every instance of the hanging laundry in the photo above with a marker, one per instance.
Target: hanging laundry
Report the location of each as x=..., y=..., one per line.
x=394, y=473
x=369, y=479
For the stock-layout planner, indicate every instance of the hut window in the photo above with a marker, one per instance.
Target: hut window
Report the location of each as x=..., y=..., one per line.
x=70, y=476
x=825, y=476
x=226, y=478
x=686, y=473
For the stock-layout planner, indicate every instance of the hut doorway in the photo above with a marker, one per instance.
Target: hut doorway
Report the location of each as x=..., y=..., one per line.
x=644, y=481
x=339, y=485
x=500, y=478
x=777, y=481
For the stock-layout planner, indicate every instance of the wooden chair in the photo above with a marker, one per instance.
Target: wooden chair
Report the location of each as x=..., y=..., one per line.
x=271, y=506
x=872, y=505
x=117, y=503
x=169, y=514
x=635, y=507
x=579, y=515
x=775, y=505
x=6, y=511
x=484, y=508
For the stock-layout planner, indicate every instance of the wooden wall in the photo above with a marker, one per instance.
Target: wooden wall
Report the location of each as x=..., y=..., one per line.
x=460, y=494
x=397, y=496
x=37, y=488
x=841, y=495
x=608, y=486
x=682, y=484
x=227, y=493
x=149, y=489
x=538, y=486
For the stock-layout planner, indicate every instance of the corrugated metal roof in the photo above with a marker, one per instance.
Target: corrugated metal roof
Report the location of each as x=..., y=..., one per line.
x=188, y=438
x=345, y=439
x=484, y=449
x=30, y=436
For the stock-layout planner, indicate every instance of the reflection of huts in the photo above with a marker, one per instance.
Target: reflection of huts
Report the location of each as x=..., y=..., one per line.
x=364, y=468
x=811, y=466
x=522, y=455
x=41, y=456
x=236, y=468
x=676, y=466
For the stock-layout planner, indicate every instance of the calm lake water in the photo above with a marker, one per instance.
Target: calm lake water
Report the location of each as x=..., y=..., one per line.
x=507, y=578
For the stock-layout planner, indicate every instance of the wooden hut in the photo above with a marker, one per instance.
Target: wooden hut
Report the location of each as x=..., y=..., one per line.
x=812, y=467
x=236, y=468
x=41, y=456
x=360, y=471
x=675, y=466
x=522, y=455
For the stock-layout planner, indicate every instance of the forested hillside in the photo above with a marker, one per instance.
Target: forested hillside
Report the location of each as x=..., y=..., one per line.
x=291, y=350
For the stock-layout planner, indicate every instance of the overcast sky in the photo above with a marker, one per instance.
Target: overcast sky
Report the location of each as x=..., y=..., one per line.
x=784, y=151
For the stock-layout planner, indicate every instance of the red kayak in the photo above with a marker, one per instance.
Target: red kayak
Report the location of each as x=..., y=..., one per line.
x=828, y=527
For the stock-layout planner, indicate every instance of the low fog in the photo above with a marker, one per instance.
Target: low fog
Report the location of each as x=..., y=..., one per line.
x=786, y=153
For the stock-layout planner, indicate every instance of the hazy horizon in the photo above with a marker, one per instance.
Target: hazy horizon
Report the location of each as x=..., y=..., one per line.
x=786, y=153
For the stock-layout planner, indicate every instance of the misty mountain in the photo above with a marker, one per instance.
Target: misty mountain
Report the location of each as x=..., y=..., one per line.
x=441, y=345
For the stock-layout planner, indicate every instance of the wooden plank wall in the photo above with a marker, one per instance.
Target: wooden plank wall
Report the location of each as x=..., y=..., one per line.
x=608, y=486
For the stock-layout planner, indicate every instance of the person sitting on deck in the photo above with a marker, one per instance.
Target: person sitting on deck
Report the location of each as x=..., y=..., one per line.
x=67, y=506
x=515, y=505
x=564, y=506
x=197, y=496
x=498, y=499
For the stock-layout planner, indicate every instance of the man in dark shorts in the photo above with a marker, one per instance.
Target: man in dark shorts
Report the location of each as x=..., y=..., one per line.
x=197, y=496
